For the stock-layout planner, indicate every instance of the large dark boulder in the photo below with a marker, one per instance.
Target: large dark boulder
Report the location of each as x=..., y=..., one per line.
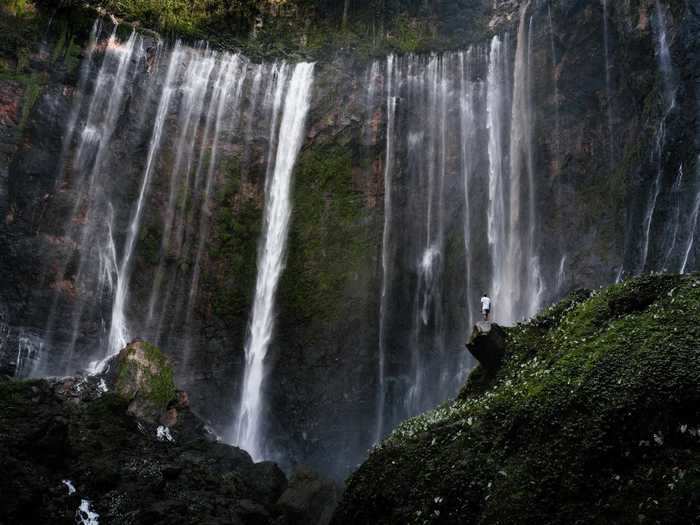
x=488, y=345
x=309, y=499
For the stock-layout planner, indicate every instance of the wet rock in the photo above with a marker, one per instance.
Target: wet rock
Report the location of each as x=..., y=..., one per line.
x=80, y=433
x=268, y=480
x=252, y=513
x=145, y=378
x=488, y=344
x=309, y=499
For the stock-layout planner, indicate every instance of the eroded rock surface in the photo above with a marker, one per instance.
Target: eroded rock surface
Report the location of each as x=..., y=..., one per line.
x=104, y=440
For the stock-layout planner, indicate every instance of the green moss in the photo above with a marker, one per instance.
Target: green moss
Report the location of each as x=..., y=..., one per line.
x=328, y=244
x=150, y=240
x=158, y=387
x=161, y=386
x=410, y=35
x=233, y=250
x=586, y=422
x=295, y=29
x=32, y=91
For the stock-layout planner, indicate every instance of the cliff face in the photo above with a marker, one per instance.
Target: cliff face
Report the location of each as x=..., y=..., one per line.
x=377, y=293
x=592, y=418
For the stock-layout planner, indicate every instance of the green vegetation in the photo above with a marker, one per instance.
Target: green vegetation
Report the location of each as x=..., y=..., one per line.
x=154, y=380
x=327, y=243
x=233, y=250
x=22, y=26
x=593, y=418
x=293, y=28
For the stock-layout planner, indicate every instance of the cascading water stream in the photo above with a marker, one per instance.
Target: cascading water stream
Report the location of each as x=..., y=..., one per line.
x=469, y=93
x=669, y=104
x=692, y=222
x=119, y=330
x=515, y=301
x=190, y=114
x=226, y=79
x=194, y=91
x=386, y=263
x=103, y=113
x=497, y=238
x=674, y=224
x=557, y=117
x=608, y=81
x=431, y=171
x=461, y=196
x=278, y=209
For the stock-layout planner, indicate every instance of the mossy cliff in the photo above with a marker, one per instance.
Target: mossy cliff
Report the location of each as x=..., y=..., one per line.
x=594, y=417
x=145, y=378
x=305, y=28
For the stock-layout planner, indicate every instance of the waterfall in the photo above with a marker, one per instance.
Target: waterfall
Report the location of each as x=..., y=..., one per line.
x=430, y=169
x=468, y=93
x=119, y=330
x=520, y=292
x=194, y=89
x=692, y=222
x=608, y=87
x=105, y=107
x=436, y=119
x=138, y=232
x=668, y=82
x=664, y=56
x=557, y=118
x=449, y=117
x=497, y=238
x=386, y=263
x=372, y=79
x=228, y=77
x=271, y=259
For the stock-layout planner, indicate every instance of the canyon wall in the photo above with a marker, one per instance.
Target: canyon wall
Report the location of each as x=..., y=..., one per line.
x=558, y=150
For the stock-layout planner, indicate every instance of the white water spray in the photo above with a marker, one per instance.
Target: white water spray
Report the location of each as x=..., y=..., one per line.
x=278, y=208
x=386, y=263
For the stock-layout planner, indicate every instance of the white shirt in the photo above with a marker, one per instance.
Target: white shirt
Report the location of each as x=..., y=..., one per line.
x=485, y=303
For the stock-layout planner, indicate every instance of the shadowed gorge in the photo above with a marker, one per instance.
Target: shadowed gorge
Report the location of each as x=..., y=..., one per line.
x=300, y=204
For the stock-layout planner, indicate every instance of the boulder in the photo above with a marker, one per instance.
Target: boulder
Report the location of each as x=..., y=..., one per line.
x=144, y=377
x=309, y=499
x=488, y=344
x=268, y=480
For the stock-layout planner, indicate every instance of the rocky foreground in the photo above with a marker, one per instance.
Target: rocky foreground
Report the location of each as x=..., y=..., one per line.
x=593, y=416
x=124, y=448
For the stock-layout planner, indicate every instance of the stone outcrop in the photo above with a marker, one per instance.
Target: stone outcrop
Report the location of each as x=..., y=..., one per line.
x=309, y=499
x=142, y=374
x=488, y=345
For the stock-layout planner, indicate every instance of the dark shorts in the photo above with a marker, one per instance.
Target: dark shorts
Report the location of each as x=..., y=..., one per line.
x=486, y=311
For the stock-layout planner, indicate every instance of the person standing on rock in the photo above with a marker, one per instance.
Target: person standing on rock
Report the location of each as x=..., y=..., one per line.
x=486, y=306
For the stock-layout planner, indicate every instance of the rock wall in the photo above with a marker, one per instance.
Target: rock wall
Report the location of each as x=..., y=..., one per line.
x=604, y=144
